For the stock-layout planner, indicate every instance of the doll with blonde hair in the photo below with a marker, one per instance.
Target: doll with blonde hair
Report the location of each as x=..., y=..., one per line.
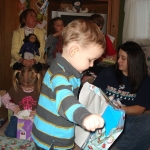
x=24, y=93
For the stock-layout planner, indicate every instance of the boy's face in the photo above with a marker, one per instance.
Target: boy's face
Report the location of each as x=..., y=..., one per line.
x=85, y=57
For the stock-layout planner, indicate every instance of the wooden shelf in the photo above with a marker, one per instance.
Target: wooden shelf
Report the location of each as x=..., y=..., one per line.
x=109, y=7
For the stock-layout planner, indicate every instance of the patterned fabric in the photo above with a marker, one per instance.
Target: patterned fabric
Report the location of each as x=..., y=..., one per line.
x=58, y=48
x=27, y=103
x=16, y=144
x=24, y=100
x=6, y=100
x=28, y=30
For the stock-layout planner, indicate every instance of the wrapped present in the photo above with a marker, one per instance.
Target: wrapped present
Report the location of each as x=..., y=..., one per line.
x=94, y=99
x=7, y=143
x=24, y=125
x=3, y=110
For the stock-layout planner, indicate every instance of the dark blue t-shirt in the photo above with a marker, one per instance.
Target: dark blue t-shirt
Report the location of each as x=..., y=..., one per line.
x=106, y=80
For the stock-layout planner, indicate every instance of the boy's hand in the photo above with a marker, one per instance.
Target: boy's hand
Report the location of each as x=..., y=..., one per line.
x=32, y=113
x=92, y=122
x=16, y=109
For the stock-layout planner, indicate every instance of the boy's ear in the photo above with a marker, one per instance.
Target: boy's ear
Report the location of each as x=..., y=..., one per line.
x=73, y=49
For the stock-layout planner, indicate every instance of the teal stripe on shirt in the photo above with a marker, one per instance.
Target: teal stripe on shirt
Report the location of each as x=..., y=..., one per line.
x=48, y=104
x=59, y=81
x=75, y=80
x=50, y=129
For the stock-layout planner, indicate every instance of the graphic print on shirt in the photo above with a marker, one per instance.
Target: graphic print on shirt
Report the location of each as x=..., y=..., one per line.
x=27, y=103
x=118, y=94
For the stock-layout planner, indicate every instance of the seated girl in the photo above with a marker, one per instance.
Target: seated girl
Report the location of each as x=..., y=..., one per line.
x=24, y=93
x=54, y=40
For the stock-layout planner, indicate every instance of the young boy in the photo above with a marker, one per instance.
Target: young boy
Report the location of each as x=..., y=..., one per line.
x=58, y=108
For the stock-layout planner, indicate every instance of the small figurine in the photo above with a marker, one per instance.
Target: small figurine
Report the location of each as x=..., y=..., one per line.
x=30, y=47
x=92, y=11
x=76, y=7
x=61, y=9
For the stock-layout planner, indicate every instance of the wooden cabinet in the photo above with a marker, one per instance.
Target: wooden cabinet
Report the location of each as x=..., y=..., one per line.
x=109, y=7
x=9, y=22
x=113, y=19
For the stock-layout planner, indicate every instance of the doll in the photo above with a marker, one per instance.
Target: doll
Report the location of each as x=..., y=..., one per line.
x=30, y=47
x=76, y=7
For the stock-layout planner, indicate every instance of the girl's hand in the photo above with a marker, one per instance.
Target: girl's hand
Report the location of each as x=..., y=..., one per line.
x=57, y=34
x=92, y=122
x=16, y=109
x=26, y=63
x=32, y=113
x=32, y=62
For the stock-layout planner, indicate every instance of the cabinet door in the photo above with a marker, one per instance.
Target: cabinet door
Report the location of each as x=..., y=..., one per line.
x=113, y=19
x=9, y=11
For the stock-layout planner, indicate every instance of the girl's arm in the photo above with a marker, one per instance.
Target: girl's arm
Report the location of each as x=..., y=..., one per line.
x=133, y=110
x=9, y=105
x=32, y=113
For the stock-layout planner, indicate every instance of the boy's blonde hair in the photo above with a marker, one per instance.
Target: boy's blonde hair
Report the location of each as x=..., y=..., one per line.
x=27, y=76
x=84, y=32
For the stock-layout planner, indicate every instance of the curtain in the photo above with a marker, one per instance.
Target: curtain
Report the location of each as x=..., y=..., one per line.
x=137, y=21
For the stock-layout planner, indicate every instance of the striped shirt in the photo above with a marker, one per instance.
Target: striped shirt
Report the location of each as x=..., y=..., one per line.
x=58, y=109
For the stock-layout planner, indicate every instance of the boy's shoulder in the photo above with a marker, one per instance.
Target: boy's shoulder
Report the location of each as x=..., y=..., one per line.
x=60, y=64
x=57, y=70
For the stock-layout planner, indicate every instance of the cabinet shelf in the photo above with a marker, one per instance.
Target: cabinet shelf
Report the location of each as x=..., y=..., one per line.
x=109, y=7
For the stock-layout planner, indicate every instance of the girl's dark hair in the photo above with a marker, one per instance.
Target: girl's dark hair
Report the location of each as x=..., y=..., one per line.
x=51, y=29
x=26, y=39
x=23, y=17
x=136, y=62
x=98, y=19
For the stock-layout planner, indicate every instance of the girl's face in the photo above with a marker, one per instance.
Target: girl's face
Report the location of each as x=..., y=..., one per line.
x=58, y=26
x=122, y=62
x=31, y=20
x=32, y=38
